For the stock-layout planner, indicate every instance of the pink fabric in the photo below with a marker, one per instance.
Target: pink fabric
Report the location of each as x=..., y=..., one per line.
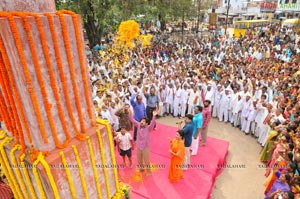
x=196, y=182
x=206, y=112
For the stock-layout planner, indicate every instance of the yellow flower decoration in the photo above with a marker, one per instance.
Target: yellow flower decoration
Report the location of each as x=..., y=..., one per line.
x=128, y=31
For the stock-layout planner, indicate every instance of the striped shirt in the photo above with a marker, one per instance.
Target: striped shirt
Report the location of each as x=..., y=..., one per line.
x=5, y=191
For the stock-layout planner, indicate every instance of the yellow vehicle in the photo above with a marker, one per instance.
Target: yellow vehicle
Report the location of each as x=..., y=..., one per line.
x=295, y=23
x=240, y=27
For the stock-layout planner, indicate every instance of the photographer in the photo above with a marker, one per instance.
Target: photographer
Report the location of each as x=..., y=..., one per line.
x=187, y=130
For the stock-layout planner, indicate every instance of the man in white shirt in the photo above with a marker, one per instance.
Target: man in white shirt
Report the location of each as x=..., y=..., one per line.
x=184, y=98
x=125, y=144
x=236, y=110
x=216, y=99
x=245, y=111
x=193, y=96
x=177, y=101
x=224, y=106
x=250, y=126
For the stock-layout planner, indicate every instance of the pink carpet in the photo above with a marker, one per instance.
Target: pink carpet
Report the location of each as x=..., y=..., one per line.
x=197, y=182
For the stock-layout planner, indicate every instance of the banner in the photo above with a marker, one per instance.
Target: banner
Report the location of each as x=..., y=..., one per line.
x=288, y=5
x=267, y=7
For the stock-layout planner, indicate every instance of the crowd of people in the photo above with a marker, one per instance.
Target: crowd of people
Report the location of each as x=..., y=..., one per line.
x=251, y=82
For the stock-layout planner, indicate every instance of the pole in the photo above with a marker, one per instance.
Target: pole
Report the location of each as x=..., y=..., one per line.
x=199, y=15
x=228, y=4
x=182, y=27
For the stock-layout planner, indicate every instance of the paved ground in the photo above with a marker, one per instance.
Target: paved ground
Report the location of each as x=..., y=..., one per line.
x=243, y=183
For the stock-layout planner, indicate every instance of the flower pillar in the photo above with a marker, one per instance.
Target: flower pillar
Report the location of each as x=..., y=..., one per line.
x=52, y=147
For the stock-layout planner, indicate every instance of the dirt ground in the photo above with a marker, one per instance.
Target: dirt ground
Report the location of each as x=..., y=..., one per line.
x=238, y=183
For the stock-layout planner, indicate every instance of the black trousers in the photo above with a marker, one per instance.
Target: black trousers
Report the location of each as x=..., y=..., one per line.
x=149, y=112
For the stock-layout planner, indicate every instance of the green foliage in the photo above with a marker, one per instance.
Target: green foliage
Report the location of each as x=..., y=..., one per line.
x=103, y=16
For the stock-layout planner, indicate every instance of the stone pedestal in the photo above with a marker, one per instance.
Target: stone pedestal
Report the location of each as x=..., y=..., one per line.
x=28, y=5
x=45, y=88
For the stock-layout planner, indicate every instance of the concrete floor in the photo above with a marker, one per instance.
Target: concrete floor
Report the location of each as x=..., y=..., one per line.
x=234, y=183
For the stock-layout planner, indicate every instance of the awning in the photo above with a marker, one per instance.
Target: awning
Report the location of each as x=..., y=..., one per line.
x=249, y=14
x=224, y=16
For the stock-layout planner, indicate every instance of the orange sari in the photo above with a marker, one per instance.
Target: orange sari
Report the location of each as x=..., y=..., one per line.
x=176, y=172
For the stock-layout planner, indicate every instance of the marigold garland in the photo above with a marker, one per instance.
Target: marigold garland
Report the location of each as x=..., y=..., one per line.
x=39, y=77
x=41, y=81
x=37, y=178
x=112, y=151
x=5, y=113
x=72, y=71
x=2, y=134
x=49, y=174
x=82, y=63
x=92, y=156
x=30, y=88
x=27, y=178
x=17, y=169
x=17, y=191
x=104, y=163
x=19, y=134
x=52, y=79
x=10, y=182
x=68, y=173
x=123, y=191
x=80, y=172
x=62, y=76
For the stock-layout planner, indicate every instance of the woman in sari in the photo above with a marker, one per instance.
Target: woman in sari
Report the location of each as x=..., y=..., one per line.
x=279, y=186
x=177, y=154
x=266, y=154
x=281, y=147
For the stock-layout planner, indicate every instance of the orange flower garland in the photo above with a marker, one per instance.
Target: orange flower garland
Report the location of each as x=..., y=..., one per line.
x=39, y=75
x=72, y=71
x=4, y=113
x=40, y=79
x=27, y=76
x=82, y=65
x=52, y=80
x=62, y=77
x=19, y=135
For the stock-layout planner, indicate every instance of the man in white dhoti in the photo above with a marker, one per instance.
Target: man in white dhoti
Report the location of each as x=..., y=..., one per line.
x=198, y=122
x=224, y=106
x=193, y=96
x=177, y=101
x=170, y=99
x=245, y=111
x=236, y=110
x=217, y=98
x=184, y=99
x=250, y=126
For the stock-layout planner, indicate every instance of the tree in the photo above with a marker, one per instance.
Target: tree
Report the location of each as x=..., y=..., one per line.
x=96, y=16
x=103, y=16
x=182, y=9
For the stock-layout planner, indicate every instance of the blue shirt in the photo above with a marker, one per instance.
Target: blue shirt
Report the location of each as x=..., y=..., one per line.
x=188, y=134
x=152, y=100
x=139, y=109
x=197, y=121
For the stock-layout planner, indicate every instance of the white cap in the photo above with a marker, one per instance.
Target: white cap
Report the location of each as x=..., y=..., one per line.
x=248, y=94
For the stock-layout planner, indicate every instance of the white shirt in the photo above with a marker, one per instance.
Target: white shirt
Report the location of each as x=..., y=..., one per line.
x=124, y=140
